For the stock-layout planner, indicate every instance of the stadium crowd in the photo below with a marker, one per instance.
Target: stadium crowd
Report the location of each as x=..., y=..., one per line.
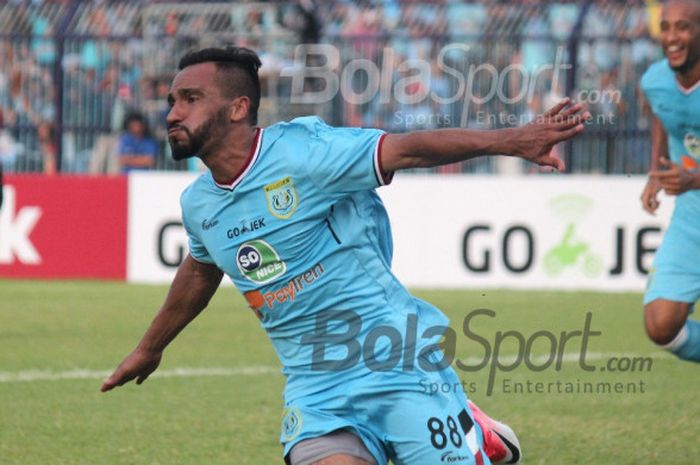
x=105, y=59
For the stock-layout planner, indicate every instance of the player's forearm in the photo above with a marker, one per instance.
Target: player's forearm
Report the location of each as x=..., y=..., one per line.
x=424, y=149
x=194, y=285
x=659, y=143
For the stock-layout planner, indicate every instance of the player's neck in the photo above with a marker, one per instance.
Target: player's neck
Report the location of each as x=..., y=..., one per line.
x=228, y=161
x=690, y=77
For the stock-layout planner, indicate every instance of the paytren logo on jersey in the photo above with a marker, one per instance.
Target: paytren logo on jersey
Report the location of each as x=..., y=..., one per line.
x=259, y=262
x=288, y=292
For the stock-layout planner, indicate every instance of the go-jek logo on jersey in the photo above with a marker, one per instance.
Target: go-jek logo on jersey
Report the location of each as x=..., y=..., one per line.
x=282, y=198
x=259, y=262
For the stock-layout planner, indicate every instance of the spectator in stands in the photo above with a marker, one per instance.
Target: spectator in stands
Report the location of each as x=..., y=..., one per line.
x=9, y=149
x=47, y=146
x=136, y=148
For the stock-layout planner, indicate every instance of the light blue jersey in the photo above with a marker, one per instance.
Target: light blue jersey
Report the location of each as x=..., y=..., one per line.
x=676, y=272
x=303, y=235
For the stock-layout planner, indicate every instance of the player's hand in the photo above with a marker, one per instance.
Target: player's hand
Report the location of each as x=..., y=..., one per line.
x=139, y=364
x=674, y=180
x=535, y=140
x=649, y=198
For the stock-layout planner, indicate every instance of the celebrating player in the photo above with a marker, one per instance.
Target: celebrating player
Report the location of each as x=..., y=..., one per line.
x=672, y=87
x=312, y=256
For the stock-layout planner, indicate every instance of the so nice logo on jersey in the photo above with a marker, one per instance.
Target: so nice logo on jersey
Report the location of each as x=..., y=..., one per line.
x=259, y=262
x=282, y=198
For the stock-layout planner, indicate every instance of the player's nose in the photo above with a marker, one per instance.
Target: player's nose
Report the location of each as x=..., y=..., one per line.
x=173, y=116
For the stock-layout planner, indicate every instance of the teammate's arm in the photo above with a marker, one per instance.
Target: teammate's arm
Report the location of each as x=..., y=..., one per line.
x=659, y=150
x=194, y=285
x=673, y=178
x=532, y=142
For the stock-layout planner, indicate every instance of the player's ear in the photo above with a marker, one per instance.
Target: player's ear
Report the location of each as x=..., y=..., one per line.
x=239, y=108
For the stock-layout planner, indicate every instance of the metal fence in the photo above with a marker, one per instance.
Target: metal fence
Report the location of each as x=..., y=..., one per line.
x=71, y=70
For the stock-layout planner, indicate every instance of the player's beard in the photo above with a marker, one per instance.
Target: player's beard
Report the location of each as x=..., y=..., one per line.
x=203, y=139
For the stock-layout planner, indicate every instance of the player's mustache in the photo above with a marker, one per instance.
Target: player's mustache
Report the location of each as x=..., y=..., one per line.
x=178, y=126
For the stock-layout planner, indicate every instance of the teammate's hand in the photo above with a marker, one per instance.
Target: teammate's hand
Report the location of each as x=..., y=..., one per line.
x=674, y=180
x=535, y=140
x=649, y=199
x=138, y=364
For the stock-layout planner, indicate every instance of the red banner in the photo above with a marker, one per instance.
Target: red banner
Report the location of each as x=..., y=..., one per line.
x=63, y=227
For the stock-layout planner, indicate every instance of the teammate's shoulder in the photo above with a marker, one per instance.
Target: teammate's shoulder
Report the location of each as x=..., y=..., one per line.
x=658, y=74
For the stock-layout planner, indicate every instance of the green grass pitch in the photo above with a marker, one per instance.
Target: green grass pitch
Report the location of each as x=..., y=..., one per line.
x=56, y=339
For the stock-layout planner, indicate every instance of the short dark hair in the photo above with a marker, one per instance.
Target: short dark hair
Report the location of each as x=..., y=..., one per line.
x=138, y=117
x=237, y=72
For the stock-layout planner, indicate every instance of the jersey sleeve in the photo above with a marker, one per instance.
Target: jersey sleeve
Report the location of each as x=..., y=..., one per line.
x=197, y=249
x=646, y=81
x=346, y=160
x=651, y=85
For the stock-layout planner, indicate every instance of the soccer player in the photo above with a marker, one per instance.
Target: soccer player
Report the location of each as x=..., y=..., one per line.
x=290, y=214
x=672, y=87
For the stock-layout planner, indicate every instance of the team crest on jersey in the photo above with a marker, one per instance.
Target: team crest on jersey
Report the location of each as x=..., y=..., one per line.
x=259, y=262
x=291, y=423
x=691, y=161
x=692, y=145
x=282, y=198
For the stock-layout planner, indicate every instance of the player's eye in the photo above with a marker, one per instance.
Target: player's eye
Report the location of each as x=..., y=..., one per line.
x=191, y=99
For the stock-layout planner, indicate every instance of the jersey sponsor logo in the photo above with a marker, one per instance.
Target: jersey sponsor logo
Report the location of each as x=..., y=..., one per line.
x=282, y=198
x=246, y=227
x=287, y=293
x=692, y=145
x=452, y=457
x=292, y=422
x=207, y=225
x=259, y=262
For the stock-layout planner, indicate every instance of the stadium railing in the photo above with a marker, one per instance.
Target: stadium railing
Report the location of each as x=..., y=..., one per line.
x=77, y=67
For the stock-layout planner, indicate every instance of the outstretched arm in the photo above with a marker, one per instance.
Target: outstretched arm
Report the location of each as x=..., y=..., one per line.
x=194, y=285
x=532, y=142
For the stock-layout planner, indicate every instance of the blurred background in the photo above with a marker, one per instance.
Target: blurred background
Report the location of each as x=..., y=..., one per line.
x=80, y=80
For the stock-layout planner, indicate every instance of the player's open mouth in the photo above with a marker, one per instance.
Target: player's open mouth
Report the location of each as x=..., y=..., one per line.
x=675, y=52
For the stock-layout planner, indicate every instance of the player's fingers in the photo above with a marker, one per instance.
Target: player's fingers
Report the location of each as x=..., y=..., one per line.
x=571, y=111
x=109, y=383
x=665, y=162
x=558, y=107
x=662, y=175
x=554, y=162
x=572, y=120
x=569, y=133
